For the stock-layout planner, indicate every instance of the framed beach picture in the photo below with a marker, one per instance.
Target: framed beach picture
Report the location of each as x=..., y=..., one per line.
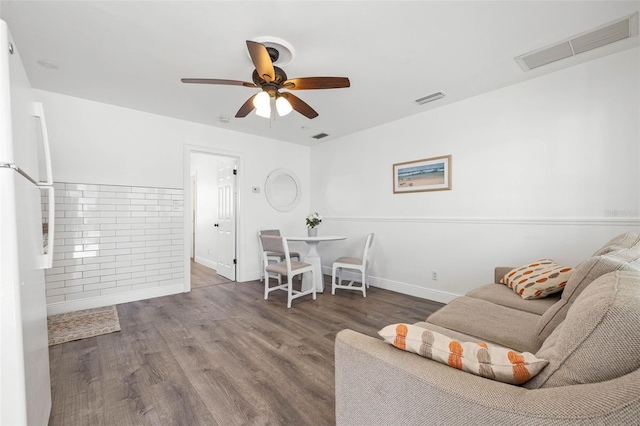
x=429, y=174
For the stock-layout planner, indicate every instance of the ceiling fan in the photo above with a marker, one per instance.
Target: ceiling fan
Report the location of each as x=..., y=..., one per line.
x=271, y=80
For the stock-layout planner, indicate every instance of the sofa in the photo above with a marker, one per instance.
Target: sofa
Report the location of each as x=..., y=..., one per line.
x=589, y=334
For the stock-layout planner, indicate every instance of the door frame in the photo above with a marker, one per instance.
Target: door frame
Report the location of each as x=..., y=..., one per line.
x=186, y=174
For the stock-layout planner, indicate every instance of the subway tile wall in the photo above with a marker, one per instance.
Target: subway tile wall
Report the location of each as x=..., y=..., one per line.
x=114, y=239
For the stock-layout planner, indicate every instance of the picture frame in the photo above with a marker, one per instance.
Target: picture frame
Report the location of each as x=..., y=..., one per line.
x=427, y=174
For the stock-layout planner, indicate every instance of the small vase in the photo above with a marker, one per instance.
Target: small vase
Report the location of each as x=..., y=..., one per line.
x=313, y=232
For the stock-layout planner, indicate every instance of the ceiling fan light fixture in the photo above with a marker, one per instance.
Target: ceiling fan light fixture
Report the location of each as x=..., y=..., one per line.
x=261, y=101
x=264, y=112
x=283, y=106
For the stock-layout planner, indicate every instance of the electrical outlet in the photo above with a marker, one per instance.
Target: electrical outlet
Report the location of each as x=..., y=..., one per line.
x=434, y=275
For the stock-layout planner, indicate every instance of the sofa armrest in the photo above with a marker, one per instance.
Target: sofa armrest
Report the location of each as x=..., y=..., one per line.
x=499, y=272
x=377, y=384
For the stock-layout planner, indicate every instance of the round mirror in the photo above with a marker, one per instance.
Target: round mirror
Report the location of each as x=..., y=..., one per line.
x=282, y=189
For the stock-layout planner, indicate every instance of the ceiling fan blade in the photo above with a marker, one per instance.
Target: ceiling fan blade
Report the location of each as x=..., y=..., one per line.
x=308, y=83
x=217, y=81
x=246, y=108
x=299, y=105
x=261, y=60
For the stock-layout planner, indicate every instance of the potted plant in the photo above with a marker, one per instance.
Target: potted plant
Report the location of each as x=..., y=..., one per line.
x=313, y=220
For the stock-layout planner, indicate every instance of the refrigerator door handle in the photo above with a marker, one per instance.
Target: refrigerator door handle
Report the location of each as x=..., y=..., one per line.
x=47, y=259
x=39, y=112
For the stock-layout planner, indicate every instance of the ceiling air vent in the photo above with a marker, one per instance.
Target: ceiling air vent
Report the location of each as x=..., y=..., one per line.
x=597, y=37
x=320, y=136
x=429, y=98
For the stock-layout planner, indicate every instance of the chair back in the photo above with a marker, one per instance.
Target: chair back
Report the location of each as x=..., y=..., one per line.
x=275, y=232
x=367, y=249
x=274, y=243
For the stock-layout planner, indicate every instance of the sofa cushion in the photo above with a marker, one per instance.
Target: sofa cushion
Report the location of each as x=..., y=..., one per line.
x=537, y=279
x=489, y=322
x=627, y=259
x=621, y=242
x=453, y=334
x=504, y=296
x=599, y=339
x=492, y=362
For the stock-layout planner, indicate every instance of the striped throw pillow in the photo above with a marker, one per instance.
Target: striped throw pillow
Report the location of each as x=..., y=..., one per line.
x=493, y=362
x=537, y=279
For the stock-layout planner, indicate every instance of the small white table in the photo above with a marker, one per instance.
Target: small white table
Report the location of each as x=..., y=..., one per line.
x=314, y=259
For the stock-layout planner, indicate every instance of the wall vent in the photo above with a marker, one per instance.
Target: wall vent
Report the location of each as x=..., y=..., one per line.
x=320, y=136
x=601, y=36
x=429, y=98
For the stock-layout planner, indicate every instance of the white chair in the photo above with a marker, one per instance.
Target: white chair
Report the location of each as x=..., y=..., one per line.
x=358, y=264
x=274, y=243
x=273, y=256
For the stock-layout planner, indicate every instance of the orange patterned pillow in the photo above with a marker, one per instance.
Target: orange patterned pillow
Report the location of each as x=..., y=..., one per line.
x=537, y=279
x=493, y=362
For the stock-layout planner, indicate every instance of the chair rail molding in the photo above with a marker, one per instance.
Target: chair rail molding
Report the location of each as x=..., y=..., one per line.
x=581, y=221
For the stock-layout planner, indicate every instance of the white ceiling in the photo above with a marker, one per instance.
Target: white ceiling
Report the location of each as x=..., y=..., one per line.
x=133, y=54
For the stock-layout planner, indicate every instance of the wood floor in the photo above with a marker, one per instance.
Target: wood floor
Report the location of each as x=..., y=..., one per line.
x=201, y=276
x=219, y=355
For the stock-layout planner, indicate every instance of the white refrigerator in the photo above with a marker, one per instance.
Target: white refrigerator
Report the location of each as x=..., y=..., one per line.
x=25, y=392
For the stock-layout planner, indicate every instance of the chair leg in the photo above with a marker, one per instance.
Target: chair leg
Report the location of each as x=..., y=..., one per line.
x=364, y=286
x=313, y=285
x=289, y=291
x=333, y=280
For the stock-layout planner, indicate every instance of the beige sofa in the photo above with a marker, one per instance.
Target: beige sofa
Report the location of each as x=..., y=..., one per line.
x=590, y=335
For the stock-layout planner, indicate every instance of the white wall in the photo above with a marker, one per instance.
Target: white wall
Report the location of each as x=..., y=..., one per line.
x=540, y=169
x=95, y=143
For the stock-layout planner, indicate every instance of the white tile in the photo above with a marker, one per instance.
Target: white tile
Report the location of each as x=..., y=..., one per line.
x=80, y=200
x=132, y=257
x=116, y=277
x=80, y=254
x=156, y=265
x=129, y=245
x=64, y=290
x=143, y=274
x=99, y=194
x=82, y=281
x=171, y=281
x=121, y=264
x=101, y=246
x=115, y=252
x=118, y=239
x=130, y=269
x=66, y=206
x=144, y=250
x=149, y=263
x=130, y=208
x=130, y=281
x=83, y=240
x=83, y=295
x=98, y=273
x=115, y=188
x=158, y=208
x=134, y=220
x=83, y=213
x=70, y=262
x=114, y=201
x=160, y=278
x=56, y=284
x=82, y=187
x=172, y=191
x=99, y=220
x=143, y=202
x=118, y=214
x=98, y=259
x=113, y=290
x=55, y=299
x=82, y=268
x=72, y=228
x=115, y=227
x=99, y=286
x=99, y=233
x=144, y=238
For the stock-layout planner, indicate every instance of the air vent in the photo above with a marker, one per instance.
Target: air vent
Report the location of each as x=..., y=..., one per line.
x=320, y=136
x=429, y=98
x=597, y=37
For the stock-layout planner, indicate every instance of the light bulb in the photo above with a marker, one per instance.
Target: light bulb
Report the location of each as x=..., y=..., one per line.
x=283, y=106
x=261, y=101
x=264, y=112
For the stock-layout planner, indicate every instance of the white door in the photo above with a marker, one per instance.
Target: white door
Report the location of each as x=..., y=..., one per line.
x=226, y=219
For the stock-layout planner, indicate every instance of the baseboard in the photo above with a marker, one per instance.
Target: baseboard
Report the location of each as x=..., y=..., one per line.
x=113, y=299
x=398, y=287
x=206, y=262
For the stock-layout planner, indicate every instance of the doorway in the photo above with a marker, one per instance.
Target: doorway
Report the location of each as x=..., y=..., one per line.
x=211, y=220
